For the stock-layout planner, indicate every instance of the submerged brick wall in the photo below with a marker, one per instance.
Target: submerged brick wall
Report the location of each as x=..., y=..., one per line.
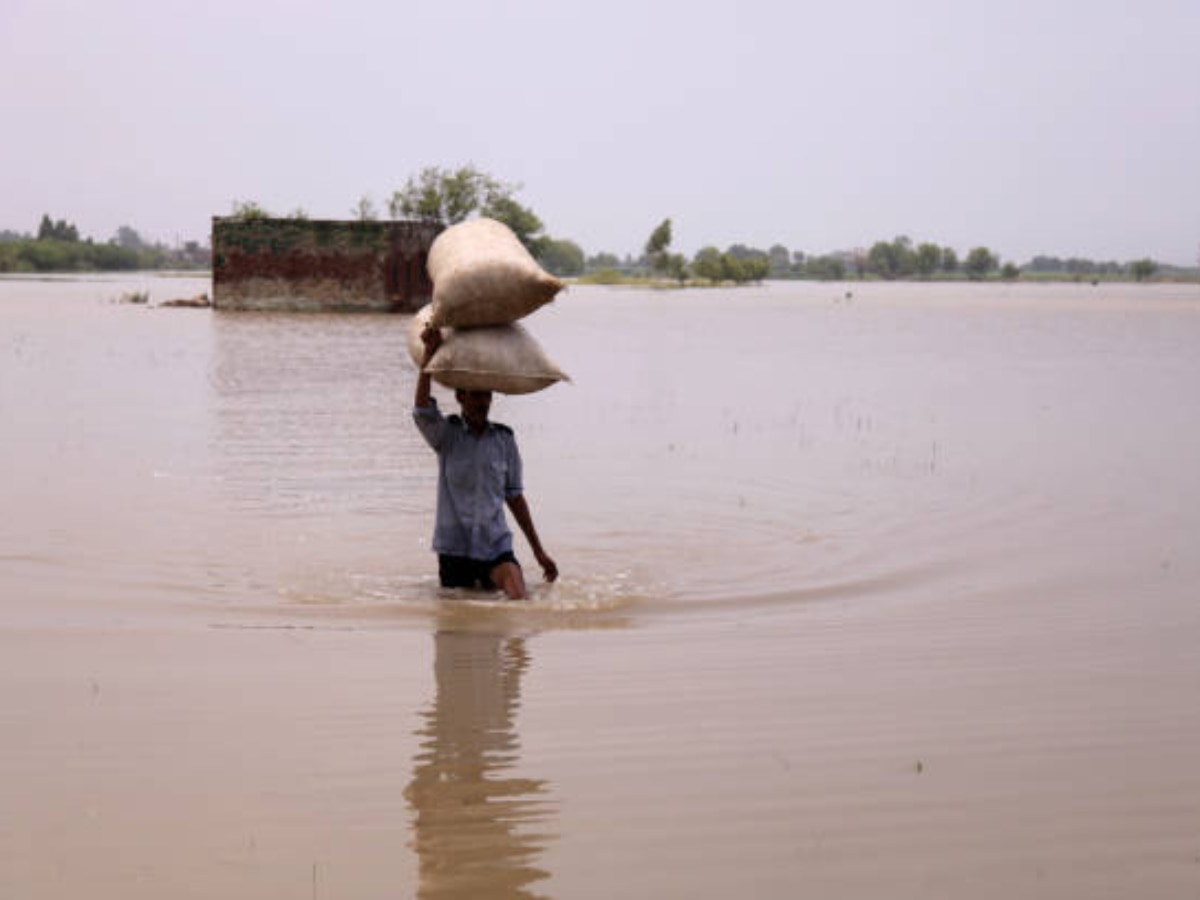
x=320, y=265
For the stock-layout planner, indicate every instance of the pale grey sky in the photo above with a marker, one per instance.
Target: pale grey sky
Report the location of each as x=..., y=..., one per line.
x=1028, y=126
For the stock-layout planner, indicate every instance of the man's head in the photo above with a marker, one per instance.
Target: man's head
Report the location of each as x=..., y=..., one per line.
x=475, y=406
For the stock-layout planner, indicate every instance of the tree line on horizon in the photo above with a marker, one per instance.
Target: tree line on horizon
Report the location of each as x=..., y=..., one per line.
x=886, y=260
x=58, y=247
x=446, y=196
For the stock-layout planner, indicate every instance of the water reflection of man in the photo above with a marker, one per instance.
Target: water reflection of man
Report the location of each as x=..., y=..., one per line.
x=471, y=829
x=479, y=473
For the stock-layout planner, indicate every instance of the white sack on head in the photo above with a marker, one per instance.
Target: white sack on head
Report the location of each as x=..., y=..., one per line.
x=483, y=275
x=504, y=358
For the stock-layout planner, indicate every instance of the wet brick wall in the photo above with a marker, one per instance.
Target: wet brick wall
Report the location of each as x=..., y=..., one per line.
x=320, y=265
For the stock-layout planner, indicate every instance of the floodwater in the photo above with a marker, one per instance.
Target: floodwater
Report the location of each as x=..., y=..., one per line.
x=867, y=590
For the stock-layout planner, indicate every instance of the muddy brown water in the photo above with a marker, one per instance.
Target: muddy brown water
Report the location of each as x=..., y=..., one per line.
x=867, y=590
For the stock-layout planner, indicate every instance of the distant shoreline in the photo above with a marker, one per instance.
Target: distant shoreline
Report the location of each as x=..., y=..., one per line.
x=1027, y=278
x=636, y=281
x=104, y=274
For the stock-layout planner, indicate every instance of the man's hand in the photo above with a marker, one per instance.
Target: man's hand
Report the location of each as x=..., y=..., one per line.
x=520, y=510
x=431, y=337
x=549, y=566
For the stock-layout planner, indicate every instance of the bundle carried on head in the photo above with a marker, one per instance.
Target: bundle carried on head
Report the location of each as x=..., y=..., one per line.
x=504, y=358
x=484, y=280
x=483, y=275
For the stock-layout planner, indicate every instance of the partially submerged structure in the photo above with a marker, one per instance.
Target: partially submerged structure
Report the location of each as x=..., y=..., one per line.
x=320, y=265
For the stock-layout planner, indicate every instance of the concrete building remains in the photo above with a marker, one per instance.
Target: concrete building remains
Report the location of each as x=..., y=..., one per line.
x=320, y=265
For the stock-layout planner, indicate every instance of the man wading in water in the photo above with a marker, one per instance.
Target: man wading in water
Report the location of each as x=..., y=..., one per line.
x=479, y=472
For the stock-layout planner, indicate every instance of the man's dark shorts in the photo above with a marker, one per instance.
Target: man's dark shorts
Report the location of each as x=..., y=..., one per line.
x=464, y=572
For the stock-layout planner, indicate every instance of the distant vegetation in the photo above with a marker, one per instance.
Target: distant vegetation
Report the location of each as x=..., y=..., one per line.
x=892, y=260
x=898, y=259
x=447, y=196
x=58, y=247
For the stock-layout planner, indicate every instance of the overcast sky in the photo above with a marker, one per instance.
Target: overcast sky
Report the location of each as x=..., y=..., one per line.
x=1028, y=126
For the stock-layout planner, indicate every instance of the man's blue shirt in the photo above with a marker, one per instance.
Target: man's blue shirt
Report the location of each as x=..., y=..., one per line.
x=476, y=475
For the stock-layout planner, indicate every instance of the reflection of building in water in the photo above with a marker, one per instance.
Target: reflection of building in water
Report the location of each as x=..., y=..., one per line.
x=473, y=829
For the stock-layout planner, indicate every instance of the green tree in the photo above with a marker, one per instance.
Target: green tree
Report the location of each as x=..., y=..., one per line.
x=49, y=255
x=522, y=220
x=754, y=264
x=1142, y=269
x=114, y=257
x=733, y=269
x=128, y=237
x=1045, y=264
x=743, y=252
x=905, y=256
x=10, y=256
x=882, y=261
x=466, y=189
x=420, y=198
x=825, y=268
x=248, y=210
x=980, y=263
x=892, y=259
x=677, y=267
x=449, y=196
x=949, y=260
x=658, y=247
x=660, y=239
x=62, y=230
x=780, y=259
x=446, y=196
x=706, y=264
x=364, y=210
x=561, y=257
x=61, y=250
x=604, y=261
x=739, y=264
x=1010, y=271
x=928, y=259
